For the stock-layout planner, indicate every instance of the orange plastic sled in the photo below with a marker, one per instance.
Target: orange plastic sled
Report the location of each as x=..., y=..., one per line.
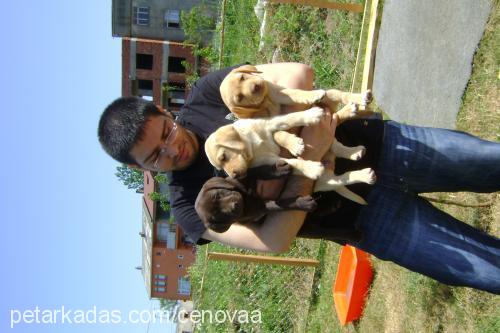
x=354, y=276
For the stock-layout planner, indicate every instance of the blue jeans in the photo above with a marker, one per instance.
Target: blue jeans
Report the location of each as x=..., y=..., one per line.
x=399, y=226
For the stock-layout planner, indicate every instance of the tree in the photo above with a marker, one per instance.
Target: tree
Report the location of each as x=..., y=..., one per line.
x=132, y=178
x=161, y=178
x=162, y=199
x=168, y=304
x=197, y=23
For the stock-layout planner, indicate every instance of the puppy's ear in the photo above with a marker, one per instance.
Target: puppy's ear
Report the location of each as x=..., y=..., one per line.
x=270, y=108
x=235, y=185
x=231, y=139
x=249, y=69
x=215, y=183
x=245, y=112
x=217, y=227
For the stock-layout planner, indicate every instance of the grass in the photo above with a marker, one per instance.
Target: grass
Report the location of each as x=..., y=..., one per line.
x=280, y=293
x=241, y=33
x=300, y=299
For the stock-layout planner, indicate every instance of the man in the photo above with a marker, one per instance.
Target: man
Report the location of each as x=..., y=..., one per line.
x=396, y=224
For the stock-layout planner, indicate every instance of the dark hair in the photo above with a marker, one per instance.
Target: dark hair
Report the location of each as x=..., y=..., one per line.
x=122, y=125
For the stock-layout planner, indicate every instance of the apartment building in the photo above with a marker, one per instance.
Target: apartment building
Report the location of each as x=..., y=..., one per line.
x=166, y=251
x=153, y=19
x=156, y=70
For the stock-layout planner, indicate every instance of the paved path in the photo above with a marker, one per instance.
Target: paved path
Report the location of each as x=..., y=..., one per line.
x=424, y=58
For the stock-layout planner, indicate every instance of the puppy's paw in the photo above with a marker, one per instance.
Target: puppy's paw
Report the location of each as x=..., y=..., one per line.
x=367, y=97
x=282, y=168
x=313, y=170
x=362, y=99
x=297, y=146
x=306, y=203
x=313, y=115
x=359, y=153
x=311, y=97
x=349, y=111
x=353, y=108
x=367, y=176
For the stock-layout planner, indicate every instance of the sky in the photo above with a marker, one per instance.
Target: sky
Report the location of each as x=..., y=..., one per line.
x=71, y=228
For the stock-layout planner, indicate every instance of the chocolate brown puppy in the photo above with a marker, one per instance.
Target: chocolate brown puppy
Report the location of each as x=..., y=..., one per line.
x=224, y=201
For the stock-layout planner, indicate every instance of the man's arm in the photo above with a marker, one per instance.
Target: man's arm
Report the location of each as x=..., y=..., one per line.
x=275, y=234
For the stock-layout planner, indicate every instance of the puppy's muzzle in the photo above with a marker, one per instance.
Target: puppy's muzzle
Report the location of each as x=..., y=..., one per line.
x=238, y=174
x=257, y=89
x=232, y=205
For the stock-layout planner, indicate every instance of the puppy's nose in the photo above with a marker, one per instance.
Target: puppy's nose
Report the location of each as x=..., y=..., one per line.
x=256, y=88
x=238, y=175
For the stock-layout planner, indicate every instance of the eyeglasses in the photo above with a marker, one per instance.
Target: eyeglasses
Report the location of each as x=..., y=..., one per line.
x=166, y=145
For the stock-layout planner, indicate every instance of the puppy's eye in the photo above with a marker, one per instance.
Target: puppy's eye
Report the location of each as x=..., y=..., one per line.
x=242, y=77
x=239, y=97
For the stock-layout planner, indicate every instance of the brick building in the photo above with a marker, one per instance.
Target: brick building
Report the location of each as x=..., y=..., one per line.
x=154, y=58
x=154, y=70
x=166, y=251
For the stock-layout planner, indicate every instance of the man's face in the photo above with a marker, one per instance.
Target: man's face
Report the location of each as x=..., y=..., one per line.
x=165, y=146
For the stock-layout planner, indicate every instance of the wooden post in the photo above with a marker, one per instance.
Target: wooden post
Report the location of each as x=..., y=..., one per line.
x=369, y=62
x=351, y=7
x=360, y=43
x=263, y=259
x=221, y=50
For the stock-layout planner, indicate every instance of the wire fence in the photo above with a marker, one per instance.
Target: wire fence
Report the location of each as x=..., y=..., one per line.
x=277, y=297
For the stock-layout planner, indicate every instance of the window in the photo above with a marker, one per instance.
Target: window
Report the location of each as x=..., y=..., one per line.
x=179, y=266
x=145, y=88
x=145, y=84
x=160, y=289
x=172, y=18
x=141, y=15
x=144, y=61
x=183, y=286
x=177, y=97
x=162, y=232
x=160, y=283
x=180, y=256
x=160, y=276
x=175, y=65
x=176, y=94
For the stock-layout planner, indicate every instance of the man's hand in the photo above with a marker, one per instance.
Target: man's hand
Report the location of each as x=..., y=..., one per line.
x=319, y=138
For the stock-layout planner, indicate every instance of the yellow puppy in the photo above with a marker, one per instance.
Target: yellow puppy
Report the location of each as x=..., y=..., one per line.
x=250, y=142
x=248, y=95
